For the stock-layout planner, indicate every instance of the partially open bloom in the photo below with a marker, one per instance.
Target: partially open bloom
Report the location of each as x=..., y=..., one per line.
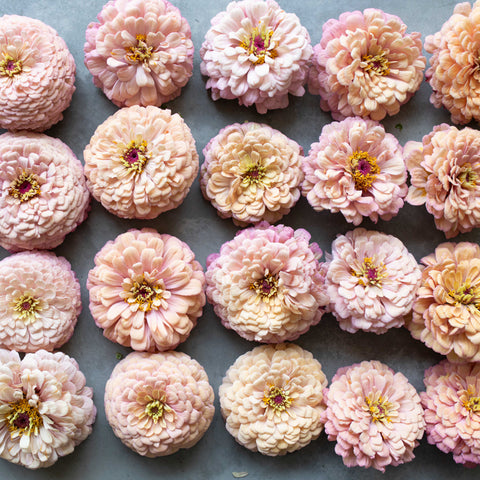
x=445, y=176
x=45, y=408
x=140, y=52
x=446, y=312
x=257, y=53
x=452, y=410
x=43, y=194
x=158, y=403
x=252, y=172
x=356, y=168
x=141, y=162
x=374, y=415
x=272, y=399
x=146, y=290
x=371, y=281
x=267, y=283
x=366, y=65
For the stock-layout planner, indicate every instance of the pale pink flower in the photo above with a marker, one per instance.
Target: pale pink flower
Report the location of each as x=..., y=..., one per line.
x=452, y=410
x=37, y=74
x=252, y=172
x=374, y=415
x=146, y=290
x=445, y=176
x=159, y=403
x=272, y=399
x=43, y=193
x=366, y=65
x=356, y=168
x=141, y=162
x=45, y=408
x=256, y=52
x=371, y=281
x=140, y=52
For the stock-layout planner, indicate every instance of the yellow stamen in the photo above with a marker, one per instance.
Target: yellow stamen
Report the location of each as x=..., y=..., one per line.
x=27, y=308
x=277, y=398
x=376, y=64
x=266, y=287
x=379, y=409
x=466, y=294
x=134, y=156
x=370, y=273
x=258, y=44
x=141, y=52
x=9, y=67
x=23, y=418
x=364, y=169
x=144, y=294
x=468, y=177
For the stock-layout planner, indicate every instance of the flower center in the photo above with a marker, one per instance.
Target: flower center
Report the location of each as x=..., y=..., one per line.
x=379, y=408
x=369, y=273
x=277, y=398
x=27, y=308
x=25, y=187
x=9, y=67
x=141, y=52
x=466, y=294
x=146, y=295
x=134, y=157
x=376, y=64
x=363, y=169
x=23, y=419
x=266, y=287
x=472, y=404
x=155, y=410
x=258, y=44
x=468, y=177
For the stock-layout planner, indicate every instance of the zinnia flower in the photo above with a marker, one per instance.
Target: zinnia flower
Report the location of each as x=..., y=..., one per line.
x=452, y=410
x=140, y=52
x=356, y=168
x=158, y=403
x=39, y=301
x=445, y=176
x=271, y=399
x=43, y=194
x=366, y=65
x=45, y=408
x=267, y=283
x=374, y=415
x=256, y=52
x=141, y=162
x=252, y=172
x=371, y=281
x=146, y=290
x=37, y=74
x=446, y=315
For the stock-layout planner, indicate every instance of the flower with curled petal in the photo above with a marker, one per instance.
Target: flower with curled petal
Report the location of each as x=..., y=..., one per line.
x=43, y=194
x=374, y=415
x=141, y=162
x=45, y=408
x=159, y=403
x=140, y=52
x=366, y=65
x=256, y=52
x=146, y=290
x=371, y=281
x=251, y=172
x=271, y=399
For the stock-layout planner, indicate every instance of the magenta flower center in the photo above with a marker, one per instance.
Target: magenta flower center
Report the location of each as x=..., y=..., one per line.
x=258, y=44
x=134, y=156
x=252, y=173
x=9, y=67
x=266, y=287
x=363, y=168
x=277, y=398
x=369, y=273
x=140, y=52
x=27, y=308
x=146, y=296
x=23, y=418
x=24, y=187
x=376, y=64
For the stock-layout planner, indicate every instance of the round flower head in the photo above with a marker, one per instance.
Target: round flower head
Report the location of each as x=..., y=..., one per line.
x=374, y=415
x=45, y=408
x=39, y=301
x=356, y=168
x=37, y=74
x=43, y=194
x=445, y=176
x=366, y=65
x=252, y=172
x=158, y=403
x=452, y=410
x=371, y=281
x=271, y=399
x=256, y=52
x=445, y=313
x=141, y=162
x=146, y=290
x=140, y=52
x=267, y=283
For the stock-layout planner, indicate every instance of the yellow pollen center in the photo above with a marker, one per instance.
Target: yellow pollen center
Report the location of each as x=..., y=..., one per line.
x=466, y=294
x=24, y=187
x=144, y=294
x=472, y=404
x=376, y=64
x=23, y=419
x=134, y=157
x=277, y=398
x=266, y=287
x=9, y=67
x=468, y=177
x=252, y=173
x=141, y=52
x=258, y=44
x=379, y=409
x=155, y=410
x=27, y=308
x=363, y=169
x=369, y=273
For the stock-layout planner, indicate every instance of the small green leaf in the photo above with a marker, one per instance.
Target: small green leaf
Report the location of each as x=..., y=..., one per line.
x=119, y=356
x=399, y=127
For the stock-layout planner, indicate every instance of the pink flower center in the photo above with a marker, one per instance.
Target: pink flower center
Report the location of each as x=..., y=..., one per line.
x=134, y=156
x=376, y=64
x=23, y=418
x=24, y=187
x=266, y=287
x=364, y=169
x=369, y=273
x=277, y=398
x=258, y=44
x=9, y=67
x=140, y=52
x=27, y=308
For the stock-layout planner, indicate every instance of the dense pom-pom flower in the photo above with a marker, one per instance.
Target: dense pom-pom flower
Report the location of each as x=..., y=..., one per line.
x=267, y=283
x=256, y=52
x=252, y=172
x=371, y=281
x=146, y=290
x=272, y=399
x=366, y=65
x=374, y=415
x=37, y=74
x=159, y=403
x=43, y=193
x=356, y=168
x=140, y=52
x=141, y=162
x=445, y=176
x=452, y=410
x=45, y=408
